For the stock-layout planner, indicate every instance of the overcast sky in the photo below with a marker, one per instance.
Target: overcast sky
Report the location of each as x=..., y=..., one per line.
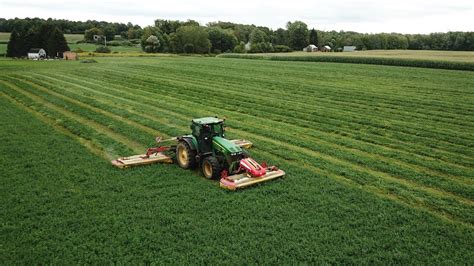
x=404, y=16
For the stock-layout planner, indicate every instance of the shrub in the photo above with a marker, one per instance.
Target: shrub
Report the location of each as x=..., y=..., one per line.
x=262, y=47
x=189, y=48
x=120, y=43
x=135, y=41
x=87, y=61
x=102, y=49
x=240, y=48
x=281, y=49
x=78, y=50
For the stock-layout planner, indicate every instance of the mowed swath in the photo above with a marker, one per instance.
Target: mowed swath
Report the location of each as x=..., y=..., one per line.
x=400, y=133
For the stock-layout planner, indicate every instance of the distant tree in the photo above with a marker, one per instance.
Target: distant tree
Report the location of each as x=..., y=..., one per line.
x=134, y=33
x=280, y=37
x=56, y=43
x=313, y=37
x=152, y=31
x=13, y=49
x=240, y=48
x=297, y=35
x=258, y=36
x=167, y=26
x=152, y=44
x=109, y=32
x=242, y=32
x=89, y=34
x=195, y=35
x=261, y=47
x=221, y=40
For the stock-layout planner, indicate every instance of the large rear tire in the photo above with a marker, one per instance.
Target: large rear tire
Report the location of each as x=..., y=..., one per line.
x=185, y=156
x=211, y=167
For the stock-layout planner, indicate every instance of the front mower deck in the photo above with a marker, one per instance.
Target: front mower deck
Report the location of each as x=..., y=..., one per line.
x=243, y=180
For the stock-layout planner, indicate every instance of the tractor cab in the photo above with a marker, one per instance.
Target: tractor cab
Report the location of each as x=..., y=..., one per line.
x=205, y=129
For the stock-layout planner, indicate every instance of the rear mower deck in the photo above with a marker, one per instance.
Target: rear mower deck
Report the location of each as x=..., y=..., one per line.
x=141, y=159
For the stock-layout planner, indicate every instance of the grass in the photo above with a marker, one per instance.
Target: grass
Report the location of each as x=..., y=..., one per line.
x=4, y=36
x=379, y=162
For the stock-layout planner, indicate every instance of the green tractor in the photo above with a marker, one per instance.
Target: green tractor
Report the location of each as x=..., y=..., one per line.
x=206, y=147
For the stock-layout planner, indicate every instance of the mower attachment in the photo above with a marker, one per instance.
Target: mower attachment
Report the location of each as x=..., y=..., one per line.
x=142, y=159
x=157, y=155
x=234, y=182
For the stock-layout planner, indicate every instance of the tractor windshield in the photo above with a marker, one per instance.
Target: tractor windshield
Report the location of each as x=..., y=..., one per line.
x=217, y=129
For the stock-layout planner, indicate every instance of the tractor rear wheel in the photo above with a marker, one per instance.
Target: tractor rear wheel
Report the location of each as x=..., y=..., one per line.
x=185, y=156
x=211, y=167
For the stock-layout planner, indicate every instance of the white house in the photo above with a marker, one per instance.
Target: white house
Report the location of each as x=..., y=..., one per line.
x=310, y=48
x=247, y=46
x=36, y=53
x=326, y=48
x=349, y=49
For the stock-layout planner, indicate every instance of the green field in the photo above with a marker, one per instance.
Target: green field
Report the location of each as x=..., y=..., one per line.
x=379, y=162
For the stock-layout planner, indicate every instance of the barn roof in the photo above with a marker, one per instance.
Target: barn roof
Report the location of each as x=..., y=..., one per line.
x=35, y=50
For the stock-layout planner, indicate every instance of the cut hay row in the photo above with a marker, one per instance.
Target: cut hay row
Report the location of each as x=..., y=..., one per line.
x=294, y=107
x=188, y=86
x=304, y=84
x=148, y=94
x=329, y=94
x=416, y=168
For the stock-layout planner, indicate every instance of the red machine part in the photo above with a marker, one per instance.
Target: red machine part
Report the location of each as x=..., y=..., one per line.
x=252, y=167
x=151, y=151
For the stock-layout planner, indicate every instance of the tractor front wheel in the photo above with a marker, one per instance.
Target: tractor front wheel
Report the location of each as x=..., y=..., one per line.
x=211, y=167
x=185, y=156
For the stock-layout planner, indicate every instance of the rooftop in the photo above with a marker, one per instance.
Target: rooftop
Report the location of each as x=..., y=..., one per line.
x=207, y=120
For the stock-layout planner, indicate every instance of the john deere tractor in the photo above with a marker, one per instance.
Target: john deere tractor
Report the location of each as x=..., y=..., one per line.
x=206, y=147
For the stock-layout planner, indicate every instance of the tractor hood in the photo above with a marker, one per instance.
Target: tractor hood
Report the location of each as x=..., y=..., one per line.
x=225, y=145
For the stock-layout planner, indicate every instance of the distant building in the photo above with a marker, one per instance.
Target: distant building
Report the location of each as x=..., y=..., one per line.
x=310, y=48
x=36, y=53
x=326, y=48
x=68, y=55
x=247, y=46
x=349, y=49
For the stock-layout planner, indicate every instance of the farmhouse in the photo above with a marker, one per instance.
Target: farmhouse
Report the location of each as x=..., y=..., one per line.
x=68, y=55
x=247, y=46
x=349, y=49
x=310, y=48
x=326, y=48
x=36, y=53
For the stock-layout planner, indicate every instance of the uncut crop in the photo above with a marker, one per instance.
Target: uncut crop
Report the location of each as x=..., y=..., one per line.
x=379, y=160
x=363, y=59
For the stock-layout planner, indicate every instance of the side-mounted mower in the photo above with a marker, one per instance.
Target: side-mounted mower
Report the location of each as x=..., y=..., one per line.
x=207, y=147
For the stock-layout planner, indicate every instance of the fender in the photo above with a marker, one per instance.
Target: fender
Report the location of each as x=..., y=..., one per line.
x=191, y=141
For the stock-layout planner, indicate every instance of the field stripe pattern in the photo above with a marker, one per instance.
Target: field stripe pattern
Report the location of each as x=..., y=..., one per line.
x=409, y=141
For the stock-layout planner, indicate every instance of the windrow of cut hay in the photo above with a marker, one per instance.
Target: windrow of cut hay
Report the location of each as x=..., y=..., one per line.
x=405, y=62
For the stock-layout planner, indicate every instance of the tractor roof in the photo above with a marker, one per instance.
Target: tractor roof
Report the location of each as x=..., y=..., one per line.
x=207, y=120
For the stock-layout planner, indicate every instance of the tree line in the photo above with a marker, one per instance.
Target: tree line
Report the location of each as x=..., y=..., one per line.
x=45, y=35
x=174, y=36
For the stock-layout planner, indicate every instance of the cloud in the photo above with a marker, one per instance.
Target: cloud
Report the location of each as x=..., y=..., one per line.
x=404, y=16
